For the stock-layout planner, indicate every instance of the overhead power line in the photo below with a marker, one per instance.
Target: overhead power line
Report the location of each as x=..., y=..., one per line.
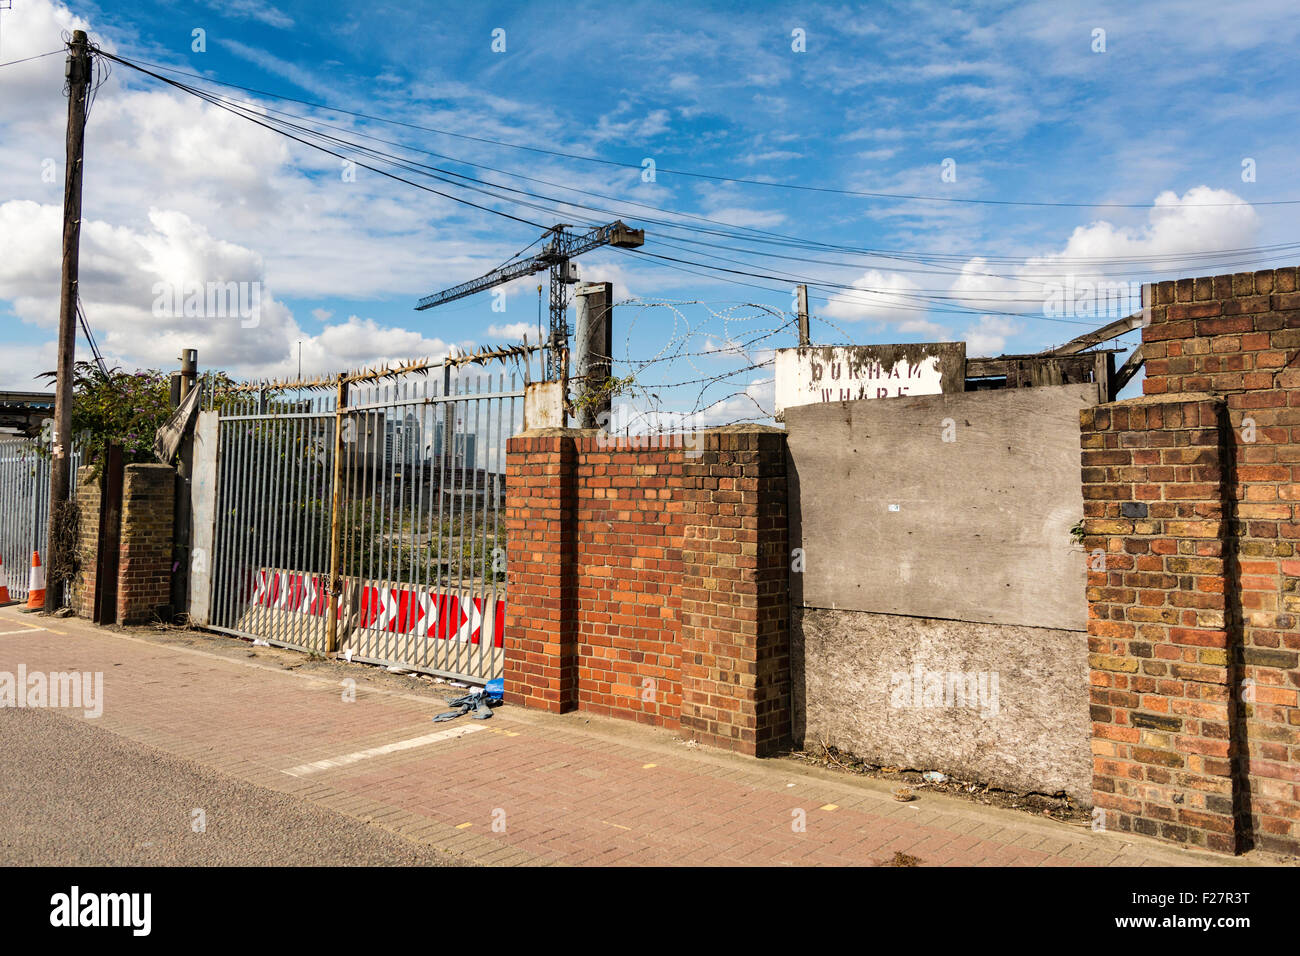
x=1038, y=277
x=902, y=197
x=28, y=59
x=924, y=300
x=217, y=102
x=747, y=234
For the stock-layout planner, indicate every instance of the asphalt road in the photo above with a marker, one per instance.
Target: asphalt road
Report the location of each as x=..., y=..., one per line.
x=74, y=795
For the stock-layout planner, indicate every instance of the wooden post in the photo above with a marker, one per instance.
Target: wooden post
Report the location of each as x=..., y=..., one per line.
x=183, y=382
x=336, y=516
x=594, y=345
x=58, y=558
x=190, y=371
x=804, y=339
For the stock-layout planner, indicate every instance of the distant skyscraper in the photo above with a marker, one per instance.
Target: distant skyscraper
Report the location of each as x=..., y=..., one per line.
x=464, y=449
x=403, y=440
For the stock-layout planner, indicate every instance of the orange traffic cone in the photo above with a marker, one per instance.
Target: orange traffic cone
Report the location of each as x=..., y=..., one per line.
x=36, y=584
x=4, y=587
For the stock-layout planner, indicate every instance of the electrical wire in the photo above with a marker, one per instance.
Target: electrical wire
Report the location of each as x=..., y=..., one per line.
x=90, y=337
x=28, y=59
x=323, y=149
x=747, y=234
x=847, y=290
x=925, y=300
x=905, y=197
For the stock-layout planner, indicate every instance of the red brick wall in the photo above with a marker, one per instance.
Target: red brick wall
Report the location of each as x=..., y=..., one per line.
x=1157, y=634
x=629, y=580
x=651, y=583
x=88, y=508
x=736, y=593
x=145, y=565
x=541, y=610
x=1233, y=341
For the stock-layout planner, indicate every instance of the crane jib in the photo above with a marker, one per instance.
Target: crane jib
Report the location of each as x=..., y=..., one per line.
x=563, y=246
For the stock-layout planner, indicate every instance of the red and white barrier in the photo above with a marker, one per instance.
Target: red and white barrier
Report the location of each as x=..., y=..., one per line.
x=436, y=613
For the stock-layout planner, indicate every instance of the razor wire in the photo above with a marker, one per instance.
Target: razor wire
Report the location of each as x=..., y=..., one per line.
x=682, y=384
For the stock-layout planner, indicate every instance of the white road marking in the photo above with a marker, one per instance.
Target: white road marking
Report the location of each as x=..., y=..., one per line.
x=343, y=761
x=25, y=630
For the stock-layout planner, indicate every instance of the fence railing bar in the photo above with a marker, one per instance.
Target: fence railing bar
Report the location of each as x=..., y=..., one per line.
x=407, y=443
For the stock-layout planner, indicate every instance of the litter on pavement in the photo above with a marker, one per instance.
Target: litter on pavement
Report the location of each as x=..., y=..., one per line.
x=475, y=700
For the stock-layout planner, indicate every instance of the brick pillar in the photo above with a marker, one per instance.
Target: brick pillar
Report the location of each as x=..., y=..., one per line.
x=541, y=608
x=145, y=564
x=735, y=635
x=721, y=551
x=1239, y=336
x=88, y=518
x=1160, y=621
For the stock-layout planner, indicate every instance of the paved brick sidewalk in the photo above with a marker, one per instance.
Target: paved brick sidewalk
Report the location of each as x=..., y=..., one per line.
x=523, y=788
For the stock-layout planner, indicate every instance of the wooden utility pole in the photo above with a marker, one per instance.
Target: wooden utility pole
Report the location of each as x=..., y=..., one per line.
x=802, y=292
x=593, y=347
x=58, y=548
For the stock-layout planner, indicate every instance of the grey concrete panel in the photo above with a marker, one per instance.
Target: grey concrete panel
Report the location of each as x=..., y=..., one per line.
x=1025, y=727
x=893, y=518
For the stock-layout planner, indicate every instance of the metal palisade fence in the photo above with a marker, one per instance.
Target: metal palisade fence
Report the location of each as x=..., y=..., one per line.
x=25, y=508
x=369, y=521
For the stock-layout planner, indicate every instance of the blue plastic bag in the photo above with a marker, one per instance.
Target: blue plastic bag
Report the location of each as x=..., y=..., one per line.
x=496, y=689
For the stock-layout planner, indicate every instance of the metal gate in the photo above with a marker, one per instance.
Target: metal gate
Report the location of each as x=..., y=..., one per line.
x=396, y=493
x=25, y=508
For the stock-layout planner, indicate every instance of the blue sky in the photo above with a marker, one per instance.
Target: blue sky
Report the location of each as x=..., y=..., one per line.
x=1016, y=95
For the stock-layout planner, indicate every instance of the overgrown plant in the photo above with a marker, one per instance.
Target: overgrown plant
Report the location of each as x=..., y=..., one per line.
x=119, y=408
x=600, y=393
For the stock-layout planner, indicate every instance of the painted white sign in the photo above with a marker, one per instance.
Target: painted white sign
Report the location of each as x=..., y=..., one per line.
x=837, y=373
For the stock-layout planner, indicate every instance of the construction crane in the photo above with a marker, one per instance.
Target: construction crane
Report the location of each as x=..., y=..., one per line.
x=561, y=248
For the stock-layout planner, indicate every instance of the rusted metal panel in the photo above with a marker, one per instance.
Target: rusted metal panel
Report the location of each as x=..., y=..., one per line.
x=544, y=405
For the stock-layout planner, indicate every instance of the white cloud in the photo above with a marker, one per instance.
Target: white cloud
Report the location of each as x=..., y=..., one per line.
x=127, y=267
x=988, y=336
x=1202, y=220
x=636, y=129
x=303, y=79
x=934, y=331
x=514, y=331
x=755, y=401
x=771, y=156
x=253, y=10
x=876, y=295
x=361, y=341
x=1197, y=221
x=20, y=364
